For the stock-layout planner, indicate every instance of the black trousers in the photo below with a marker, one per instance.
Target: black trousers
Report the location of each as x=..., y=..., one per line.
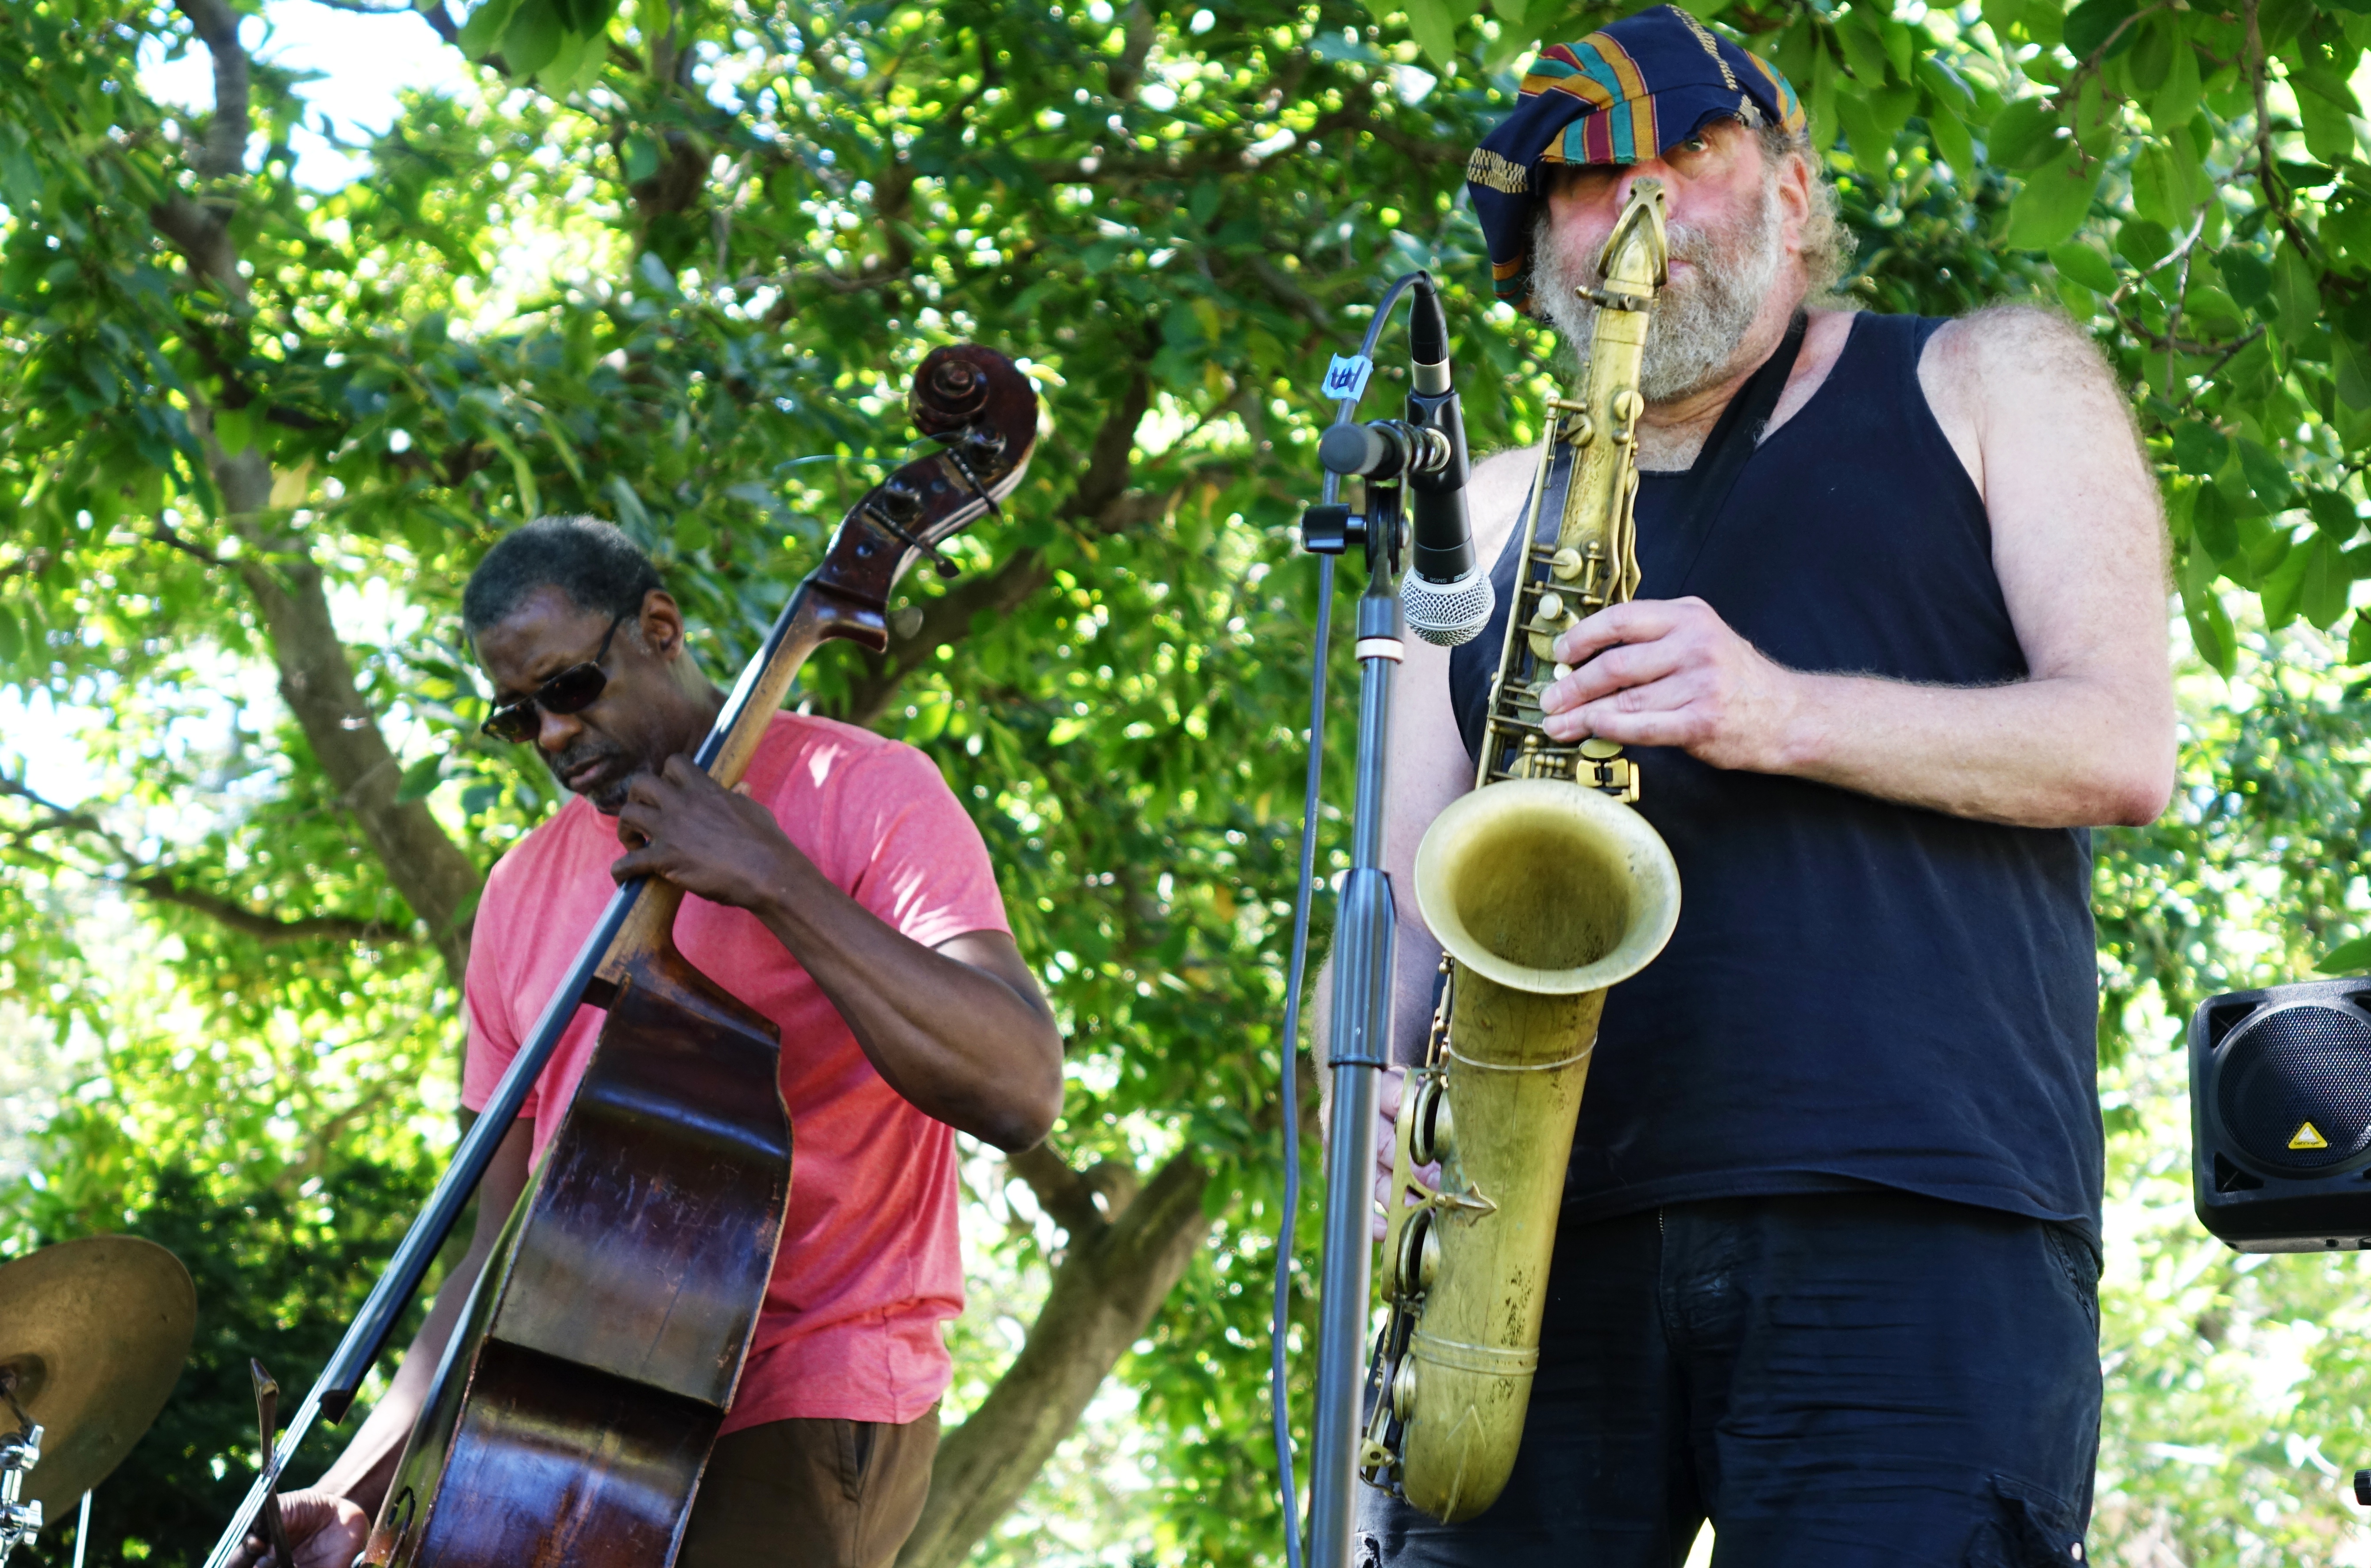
x=1834, y=1380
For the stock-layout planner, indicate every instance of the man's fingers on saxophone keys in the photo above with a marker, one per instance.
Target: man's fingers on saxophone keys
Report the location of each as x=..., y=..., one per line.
x=1390, y=1087
x=1615, y=672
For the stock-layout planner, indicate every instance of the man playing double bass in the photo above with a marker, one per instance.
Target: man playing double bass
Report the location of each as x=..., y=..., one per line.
x=1827, y=1263
x=842, y=892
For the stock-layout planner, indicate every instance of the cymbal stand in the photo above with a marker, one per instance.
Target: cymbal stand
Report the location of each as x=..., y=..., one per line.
x=20, y=1521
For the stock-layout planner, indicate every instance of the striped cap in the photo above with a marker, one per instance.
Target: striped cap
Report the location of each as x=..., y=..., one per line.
x=1620, y=95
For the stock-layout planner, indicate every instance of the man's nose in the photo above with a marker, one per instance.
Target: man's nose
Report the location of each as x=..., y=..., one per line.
x=558, y=731
x=1653, y=168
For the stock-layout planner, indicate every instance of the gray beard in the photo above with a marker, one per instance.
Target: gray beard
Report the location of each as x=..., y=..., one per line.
x=1699, y=320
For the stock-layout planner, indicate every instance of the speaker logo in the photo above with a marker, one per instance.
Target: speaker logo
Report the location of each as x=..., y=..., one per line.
x=2308, y=1137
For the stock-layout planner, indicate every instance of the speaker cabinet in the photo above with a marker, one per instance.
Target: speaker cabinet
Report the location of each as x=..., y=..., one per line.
x=2280, y=1114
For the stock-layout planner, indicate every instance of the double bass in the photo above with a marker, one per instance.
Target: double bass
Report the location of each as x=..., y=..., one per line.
x=571, y=1415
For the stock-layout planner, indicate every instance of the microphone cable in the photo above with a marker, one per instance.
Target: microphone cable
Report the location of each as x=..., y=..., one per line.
x=1279, y=1409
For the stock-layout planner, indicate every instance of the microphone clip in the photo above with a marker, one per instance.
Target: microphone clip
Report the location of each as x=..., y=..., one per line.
x=1331, y=528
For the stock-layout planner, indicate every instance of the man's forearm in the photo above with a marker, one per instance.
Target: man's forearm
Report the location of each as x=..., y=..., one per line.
x=363, y=1472
x=961, y=1045
x=2045, y=752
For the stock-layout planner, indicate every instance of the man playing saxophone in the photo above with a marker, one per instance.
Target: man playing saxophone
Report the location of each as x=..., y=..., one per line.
x=1826, y=1266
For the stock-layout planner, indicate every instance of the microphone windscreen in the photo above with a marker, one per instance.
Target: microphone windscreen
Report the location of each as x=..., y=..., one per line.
x=1448, y=614
x=1352, y=449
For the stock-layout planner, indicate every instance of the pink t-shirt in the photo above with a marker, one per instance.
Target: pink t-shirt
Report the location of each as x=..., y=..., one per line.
x=869, y=1264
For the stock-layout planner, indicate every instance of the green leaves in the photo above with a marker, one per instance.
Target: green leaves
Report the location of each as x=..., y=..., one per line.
x=2098, y=27
x=2024, y=135
x=1434, y=25
x=420, y=780
x=712, y=277
x=2348, y=958
x=2056, y=199
x=2168, y=182
x=2352, y=364
x=2176, y=98
x=2086, y=266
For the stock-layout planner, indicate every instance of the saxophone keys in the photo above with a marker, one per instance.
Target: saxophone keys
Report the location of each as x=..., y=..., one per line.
x=1565, y=565
x=1598, y=750
x=1418, y=1263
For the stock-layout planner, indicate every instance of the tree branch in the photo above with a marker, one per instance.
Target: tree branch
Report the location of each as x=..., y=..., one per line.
x=224, y=151
x=945, y=619
x=166, y=535
x=268, y=930
x=157, y=882
x=2268, y=177
x=316, y=681
x=199, y=230
x=1104, y=1292
x=1067, y=1197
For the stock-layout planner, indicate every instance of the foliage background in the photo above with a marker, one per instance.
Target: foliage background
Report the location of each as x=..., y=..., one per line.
x=669, y=261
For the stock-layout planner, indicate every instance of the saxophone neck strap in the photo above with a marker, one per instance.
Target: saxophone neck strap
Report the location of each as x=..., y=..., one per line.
x=1706, y=486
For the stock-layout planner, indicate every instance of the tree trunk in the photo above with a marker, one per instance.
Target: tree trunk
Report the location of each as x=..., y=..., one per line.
x=435, y=876
x=428, y=869
x=1109, y=1284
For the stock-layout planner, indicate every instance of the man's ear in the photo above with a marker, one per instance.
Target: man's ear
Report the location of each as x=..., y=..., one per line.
x=1795, y=198
x=660, y=625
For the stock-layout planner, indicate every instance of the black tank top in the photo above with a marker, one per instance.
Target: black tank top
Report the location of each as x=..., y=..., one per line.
x=1857, y=992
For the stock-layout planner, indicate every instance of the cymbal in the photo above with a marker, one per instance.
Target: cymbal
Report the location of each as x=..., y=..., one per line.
x=94, y=1332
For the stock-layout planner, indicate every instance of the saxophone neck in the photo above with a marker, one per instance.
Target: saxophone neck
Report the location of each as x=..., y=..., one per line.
x=1636, y=260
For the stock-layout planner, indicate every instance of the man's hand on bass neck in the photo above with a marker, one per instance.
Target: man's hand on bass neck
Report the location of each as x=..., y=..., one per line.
x=680, y=825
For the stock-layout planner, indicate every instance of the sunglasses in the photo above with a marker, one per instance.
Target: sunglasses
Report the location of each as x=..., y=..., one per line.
x=573, y=690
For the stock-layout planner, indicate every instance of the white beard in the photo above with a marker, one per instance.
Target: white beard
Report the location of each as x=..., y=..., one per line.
x=1700, y=318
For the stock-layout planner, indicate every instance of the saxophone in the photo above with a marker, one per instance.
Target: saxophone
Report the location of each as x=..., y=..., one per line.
x=1543, y=889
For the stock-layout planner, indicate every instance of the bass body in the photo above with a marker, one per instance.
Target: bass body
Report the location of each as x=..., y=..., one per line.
x=577, y=1401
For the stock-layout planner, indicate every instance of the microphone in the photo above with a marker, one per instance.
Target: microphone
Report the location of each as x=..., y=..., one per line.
x=1446, y=594
x=1383, y=450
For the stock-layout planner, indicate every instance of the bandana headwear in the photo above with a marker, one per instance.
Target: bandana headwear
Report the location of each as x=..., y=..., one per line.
x=1620, y=95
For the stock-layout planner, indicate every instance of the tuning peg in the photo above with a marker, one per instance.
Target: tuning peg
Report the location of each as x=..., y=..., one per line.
x=981, y=443
x=896, y=503
x=900, y=500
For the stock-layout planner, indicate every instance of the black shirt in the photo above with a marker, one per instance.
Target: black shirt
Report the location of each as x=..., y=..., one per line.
x=1857, y=992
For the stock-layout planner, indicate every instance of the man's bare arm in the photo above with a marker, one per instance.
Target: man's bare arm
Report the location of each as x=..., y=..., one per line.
x=327, y=1520
x=960, y=1030
x=2078, y=545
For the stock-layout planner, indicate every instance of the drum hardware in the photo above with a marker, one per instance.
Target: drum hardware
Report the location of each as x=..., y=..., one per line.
x=20, y=1521
x=92, y=1337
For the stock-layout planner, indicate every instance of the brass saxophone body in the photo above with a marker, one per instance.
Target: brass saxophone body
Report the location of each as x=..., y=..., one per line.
x=1543, y=889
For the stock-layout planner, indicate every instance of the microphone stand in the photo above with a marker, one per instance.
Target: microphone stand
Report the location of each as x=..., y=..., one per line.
x=1364, y=941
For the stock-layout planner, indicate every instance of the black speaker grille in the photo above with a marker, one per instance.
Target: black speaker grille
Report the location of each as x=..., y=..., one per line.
x=2294, y=1074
